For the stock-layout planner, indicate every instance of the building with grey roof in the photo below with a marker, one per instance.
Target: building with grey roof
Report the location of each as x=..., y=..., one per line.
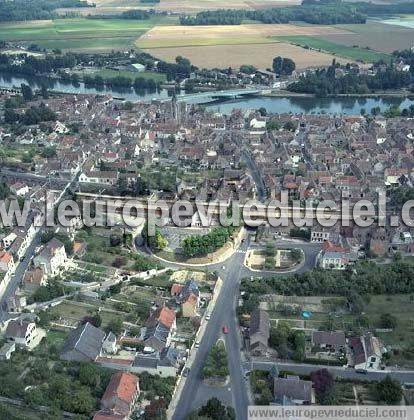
x=164, y=364
x=259, y=331
x=83, y=344
x=293, y=388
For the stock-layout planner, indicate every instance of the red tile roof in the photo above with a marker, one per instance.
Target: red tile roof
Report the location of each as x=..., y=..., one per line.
x=166, y=316
x=123, y=386
x=5, y=257
x=176, y=289
x=108, y=415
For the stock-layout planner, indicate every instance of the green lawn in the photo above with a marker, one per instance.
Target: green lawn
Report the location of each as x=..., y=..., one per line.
x=355, y=53
x=79, y=33
x=107, y=74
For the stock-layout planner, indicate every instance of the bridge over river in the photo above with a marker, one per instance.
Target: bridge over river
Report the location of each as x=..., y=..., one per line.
x=205, y=97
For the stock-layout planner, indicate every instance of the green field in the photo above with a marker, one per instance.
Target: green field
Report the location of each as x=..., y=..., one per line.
x=354, y=53
x=80, y=33
x=107, y=74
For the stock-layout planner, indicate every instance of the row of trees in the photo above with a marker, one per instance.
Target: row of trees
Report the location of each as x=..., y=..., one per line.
x=135, y=14
x=35, y=9
x=33, y=65
x=139, y=83
x=324, y=14
x=33, y=115
x=324, y=82
x=366, y=278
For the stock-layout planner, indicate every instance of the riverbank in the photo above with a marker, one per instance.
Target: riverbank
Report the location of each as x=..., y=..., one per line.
x=280, y=102
x=391, y=94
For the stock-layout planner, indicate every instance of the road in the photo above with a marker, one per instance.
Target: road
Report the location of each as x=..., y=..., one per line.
x=224, y=313
x=405, y=376
x=23, y=265
x=195, y=393
x=31, y=177
x=257, y=177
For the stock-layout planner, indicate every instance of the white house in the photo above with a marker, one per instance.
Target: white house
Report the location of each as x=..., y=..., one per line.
x=21, y=332
x=51, y=258
x=7, y=350
x=109, y=345
x=99, y=177
x=19, y=189
x=8, y=240
x=366, y=352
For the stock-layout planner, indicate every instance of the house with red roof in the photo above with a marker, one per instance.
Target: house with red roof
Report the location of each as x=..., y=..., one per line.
x=159, y=328
x=120, y=397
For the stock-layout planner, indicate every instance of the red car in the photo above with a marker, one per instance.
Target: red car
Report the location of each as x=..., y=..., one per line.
x=225, y=329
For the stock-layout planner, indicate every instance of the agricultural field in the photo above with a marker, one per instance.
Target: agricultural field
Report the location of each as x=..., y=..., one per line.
x=351, y=52
x=188, y=6
x=223, y=46
x=260, y=55
x=182, y=36
x=79, y=34
x=372, y=35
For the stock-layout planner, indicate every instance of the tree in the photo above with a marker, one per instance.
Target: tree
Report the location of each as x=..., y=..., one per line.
x=214, y=409
x=216, y=362
x=115, y=326
x=388, y=321
x=262, y=111
x=389, y=390
x=296, y=254
x=119, y=261
x=289, y=126
x=324, y=385
x=48, y=152
x=10, y=116
x=115, y=240
x=26, y=92
x=283, y=66
x=247, y=69
x=44, y=92
x=95, y=320
x=270, y=249
x=4, y=191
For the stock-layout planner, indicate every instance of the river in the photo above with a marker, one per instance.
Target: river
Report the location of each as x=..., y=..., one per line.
x=278, y=105
x=406, y=21
x=36, y=82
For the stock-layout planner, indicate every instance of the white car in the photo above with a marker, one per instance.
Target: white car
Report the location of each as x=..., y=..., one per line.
x=197, y=344
x=207, y=317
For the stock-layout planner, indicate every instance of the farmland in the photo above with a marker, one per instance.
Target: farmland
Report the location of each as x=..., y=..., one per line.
x=190, y=6
x=354, y=53
x=372, y=35
x=260, y=55
x=181, y=36
x=79, y=34
x=212, y=46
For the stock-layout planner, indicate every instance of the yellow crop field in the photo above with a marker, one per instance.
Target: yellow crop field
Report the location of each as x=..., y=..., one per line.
x=176, y=35
x=259, y=55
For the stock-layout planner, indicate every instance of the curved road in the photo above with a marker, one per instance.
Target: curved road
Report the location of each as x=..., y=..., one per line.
x=195, y=393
